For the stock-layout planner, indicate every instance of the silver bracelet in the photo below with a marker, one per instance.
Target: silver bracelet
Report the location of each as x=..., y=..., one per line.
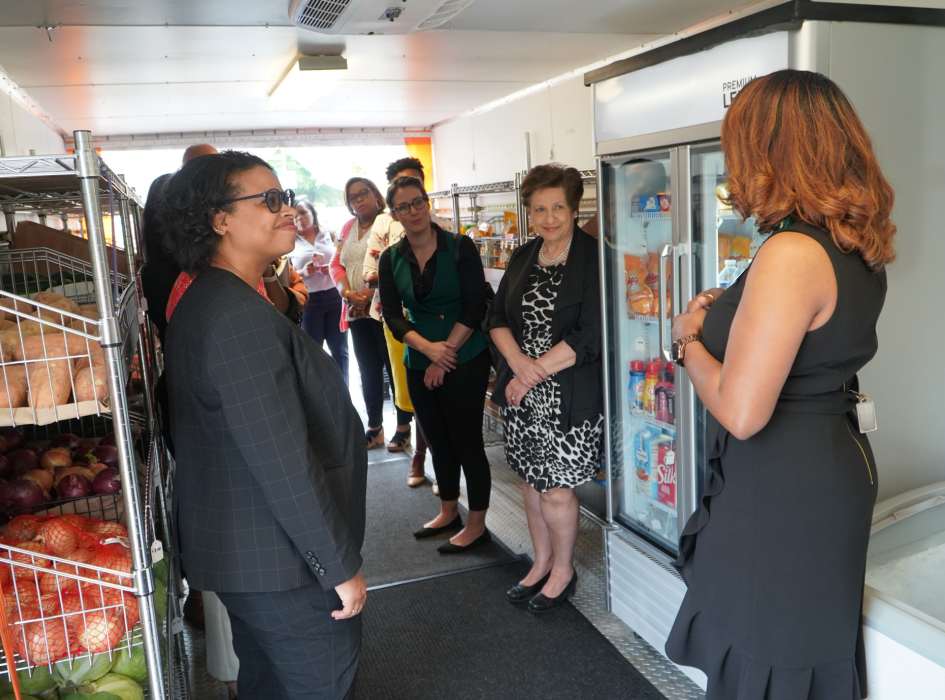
x=270, y=280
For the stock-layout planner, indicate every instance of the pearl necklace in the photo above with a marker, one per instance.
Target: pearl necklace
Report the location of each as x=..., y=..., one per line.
x=548, y=263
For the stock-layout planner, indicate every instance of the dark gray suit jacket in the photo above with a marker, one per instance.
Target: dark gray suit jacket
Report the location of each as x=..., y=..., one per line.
x=269, y=491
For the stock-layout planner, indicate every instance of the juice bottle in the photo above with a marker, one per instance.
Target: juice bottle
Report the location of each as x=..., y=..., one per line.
x=637, y=385
x=652, y=378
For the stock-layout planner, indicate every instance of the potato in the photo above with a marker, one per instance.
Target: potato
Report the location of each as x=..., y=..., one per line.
x=42, y=395
x=13, y=371
x=30, y=328
x=18, y=304
x=41, y=347
x=8, y=326
x=9, y=342
x=96, y=359
x=88, y=307
x=85, y=327
x=81, y=346
x=91, y=384
x=57, y=300
x=13, y=393
x=48, y=315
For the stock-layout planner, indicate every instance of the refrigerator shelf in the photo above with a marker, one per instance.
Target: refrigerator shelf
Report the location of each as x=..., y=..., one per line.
x=668, y=427
x=667, y=215
x=659, y=505
x=645, y=319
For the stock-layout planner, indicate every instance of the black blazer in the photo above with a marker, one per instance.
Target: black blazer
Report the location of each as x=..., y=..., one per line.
x=576, y=321
x=270, y=484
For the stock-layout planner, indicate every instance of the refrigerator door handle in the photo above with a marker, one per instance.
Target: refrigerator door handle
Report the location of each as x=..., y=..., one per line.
x=666, y=250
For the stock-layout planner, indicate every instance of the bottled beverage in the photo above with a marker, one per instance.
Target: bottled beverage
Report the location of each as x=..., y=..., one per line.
x=652, y=378
x=637, y=384
x=728, y=274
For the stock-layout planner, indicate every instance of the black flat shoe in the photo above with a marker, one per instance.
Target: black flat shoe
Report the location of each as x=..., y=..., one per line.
x=543, y=604
x=522, y=594
x=450, y=548
x=425, y=532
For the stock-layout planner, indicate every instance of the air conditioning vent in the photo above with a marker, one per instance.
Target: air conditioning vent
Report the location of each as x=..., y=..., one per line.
x=448, y=10
x=319, y=15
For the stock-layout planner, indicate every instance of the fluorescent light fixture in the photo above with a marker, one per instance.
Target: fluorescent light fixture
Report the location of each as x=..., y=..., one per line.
x=309, y=78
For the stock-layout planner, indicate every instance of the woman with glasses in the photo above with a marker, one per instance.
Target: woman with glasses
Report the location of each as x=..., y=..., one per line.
x=270, y=485
x=366, y=204
x=438, y=278
x=321, y=318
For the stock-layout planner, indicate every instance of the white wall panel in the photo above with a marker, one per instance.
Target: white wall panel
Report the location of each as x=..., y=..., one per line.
x=22, y=132
x=893, y=76
x=559, y=119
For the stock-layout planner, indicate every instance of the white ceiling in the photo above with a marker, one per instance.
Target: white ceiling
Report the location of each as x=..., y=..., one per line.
x=115, y=68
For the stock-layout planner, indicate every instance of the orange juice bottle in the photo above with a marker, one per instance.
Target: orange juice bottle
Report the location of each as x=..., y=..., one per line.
x=649, y=388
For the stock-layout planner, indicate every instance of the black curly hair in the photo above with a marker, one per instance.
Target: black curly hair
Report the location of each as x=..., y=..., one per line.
x=403, y=164
x=192, y=198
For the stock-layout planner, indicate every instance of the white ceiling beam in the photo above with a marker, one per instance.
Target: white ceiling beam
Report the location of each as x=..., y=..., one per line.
x=9, y=87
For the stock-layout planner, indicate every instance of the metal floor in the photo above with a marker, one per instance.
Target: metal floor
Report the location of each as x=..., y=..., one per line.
x=506, y=519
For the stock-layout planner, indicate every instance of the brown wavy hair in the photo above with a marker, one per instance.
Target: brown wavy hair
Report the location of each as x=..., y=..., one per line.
x=795, y=147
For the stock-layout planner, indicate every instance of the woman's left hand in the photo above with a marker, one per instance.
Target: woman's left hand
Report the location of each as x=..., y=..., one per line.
x=515, y=392
x=433, y=377
x=688, y=323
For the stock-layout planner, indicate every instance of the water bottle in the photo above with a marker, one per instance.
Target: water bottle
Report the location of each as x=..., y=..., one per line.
x=728, y=274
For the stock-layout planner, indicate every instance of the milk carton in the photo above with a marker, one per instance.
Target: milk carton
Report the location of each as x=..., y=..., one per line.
x=665, y=473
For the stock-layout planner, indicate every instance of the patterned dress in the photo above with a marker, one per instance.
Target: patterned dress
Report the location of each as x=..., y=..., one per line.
x=535, y=446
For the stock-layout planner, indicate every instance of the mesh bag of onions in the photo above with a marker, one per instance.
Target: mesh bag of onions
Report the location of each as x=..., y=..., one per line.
x=51, y=614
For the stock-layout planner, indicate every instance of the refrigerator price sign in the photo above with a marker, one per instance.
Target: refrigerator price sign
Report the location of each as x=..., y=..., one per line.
x=684, y=91
x=732, y=88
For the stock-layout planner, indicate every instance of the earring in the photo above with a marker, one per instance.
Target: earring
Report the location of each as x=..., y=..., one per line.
x=218, y=231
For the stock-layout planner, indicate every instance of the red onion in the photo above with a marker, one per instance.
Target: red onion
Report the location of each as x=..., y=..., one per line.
x=108, y=440
x=56, y=457
x=23, y=460
x=105, y=453
x=62, y=472
x=67, y=440
x=14, y=438
x=6, y=468
x=74, y=486
x=107, y=481
x=22, y=494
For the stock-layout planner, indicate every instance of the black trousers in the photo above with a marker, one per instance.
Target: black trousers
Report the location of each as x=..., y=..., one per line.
x=290, y=648
x=451, y=416
x=370, y=348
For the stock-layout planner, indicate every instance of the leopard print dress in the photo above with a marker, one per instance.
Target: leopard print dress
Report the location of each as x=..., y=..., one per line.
x=535, y=447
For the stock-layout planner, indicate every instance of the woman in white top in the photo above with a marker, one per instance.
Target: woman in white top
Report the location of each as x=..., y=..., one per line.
x=321, y=318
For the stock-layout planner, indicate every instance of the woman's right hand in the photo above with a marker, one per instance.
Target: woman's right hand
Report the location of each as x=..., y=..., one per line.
x=359, y=300
x=527, y=370
x=442, y=354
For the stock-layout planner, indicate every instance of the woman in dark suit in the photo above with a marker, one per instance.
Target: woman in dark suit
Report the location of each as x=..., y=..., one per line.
x=270, y=483
x=545, y=321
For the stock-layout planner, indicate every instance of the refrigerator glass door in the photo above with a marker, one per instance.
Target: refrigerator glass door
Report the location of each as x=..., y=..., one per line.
x=722, y=247
x=638, y=224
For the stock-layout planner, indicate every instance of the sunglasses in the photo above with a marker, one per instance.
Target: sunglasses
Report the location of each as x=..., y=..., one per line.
x=405, y=207
x=274, y=199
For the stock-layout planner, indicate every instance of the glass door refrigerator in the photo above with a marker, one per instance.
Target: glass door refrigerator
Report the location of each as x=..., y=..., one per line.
x=667, y=235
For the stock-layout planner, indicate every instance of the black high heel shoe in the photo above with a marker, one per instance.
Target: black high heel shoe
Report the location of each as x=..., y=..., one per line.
x=522, y=594
x=374, y=437
x=543, y=604
x=425, y=532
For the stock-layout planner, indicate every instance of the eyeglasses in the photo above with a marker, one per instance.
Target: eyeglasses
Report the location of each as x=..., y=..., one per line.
x=274, y=199
x=363, y=194
x=405, y=207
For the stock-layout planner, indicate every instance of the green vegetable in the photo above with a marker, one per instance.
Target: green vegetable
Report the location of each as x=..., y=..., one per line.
x=160, y=601
x=160, y=571
x=131, y=664
x=11, y=696
x=41, y=682
x=111, y=685
x=84, y=670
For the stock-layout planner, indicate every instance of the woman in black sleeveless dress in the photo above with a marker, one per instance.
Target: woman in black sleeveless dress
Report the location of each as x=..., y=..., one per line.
x=775, y=556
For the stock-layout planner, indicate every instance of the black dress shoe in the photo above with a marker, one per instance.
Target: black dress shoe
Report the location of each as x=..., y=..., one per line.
x=450, y=548
x=522, y=594
x=425, y=532
x=543, y=604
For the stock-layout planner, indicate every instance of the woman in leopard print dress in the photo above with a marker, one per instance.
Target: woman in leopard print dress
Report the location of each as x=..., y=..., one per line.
x=545, y=322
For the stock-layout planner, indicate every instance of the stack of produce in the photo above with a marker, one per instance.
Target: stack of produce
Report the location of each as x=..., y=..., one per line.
x=67, y=468
x=54, y=361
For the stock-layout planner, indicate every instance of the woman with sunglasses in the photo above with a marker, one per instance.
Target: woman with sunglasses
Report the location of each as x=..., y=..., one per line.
x=366, y=204
x=270, y=484
x=447, y=358
x=321, y=318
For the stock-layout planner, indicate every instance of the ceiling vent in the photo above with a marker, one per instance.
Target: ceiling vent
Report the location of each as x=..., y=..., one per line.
x=448, y=10
x=352, y=17
x=320, y=15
